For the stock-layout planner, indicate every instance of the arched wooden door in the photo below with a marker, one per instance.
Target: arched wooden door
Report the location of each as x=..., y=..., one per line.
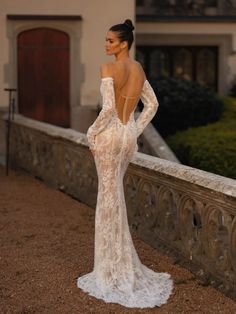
x=43, y=75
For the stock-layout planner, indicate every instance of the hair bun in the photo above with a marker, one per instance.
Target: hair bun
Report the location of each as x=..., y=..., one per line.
x=129, y=24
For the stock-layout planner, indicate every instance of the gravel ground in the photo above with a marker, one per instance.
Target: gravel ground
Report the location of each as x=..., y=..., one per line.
x=46, y=242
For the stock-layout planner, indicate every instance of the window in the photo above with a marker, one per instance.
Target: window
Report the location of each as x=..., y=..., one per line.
x=205, y=66
x=183, y=64
x=159, y=60
x=197, y=63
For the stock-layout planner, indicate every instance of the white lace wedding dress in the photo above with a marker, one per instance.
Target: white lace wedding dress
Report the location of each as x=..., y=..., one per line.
x=118, y=275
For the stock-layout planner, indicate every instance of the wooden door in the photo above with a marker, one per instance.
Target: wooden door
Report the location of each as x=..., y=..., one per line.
x=43, y=75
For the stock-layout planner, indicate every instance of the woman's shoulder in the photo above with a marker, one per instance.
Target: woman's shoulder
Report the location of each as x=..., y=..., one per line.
x=138, y=65
x=106, y=69
x=137, y=69
x=109, y=69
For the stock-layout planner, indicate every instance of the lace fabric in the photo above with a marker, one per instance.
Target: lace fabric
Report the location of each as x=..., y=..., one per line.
x=118, y=275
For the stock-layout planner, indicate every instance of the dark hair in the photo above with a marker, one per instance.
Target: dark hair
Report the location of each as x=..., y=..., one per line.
x=125, y=31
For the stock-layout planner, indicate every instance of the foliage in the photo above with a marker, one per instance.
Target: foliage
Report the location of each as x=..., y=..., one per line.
x=184, y=104
x=232, y=91
x=212, y=147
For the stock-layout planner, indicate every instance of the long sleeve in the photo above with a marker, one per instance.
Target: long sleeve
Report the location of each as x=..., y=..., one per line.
x=104, y=117
x=150, y=103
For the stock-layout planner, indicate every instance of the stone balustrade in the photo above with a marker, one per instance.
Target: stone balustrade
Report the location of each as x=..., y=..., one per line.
x=152, y=143
x=190, y=211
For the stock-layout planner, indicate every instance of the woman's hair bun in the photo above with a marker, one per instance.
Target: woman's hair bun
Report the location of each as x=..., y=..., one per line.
x=129, y=24
x=124, y=31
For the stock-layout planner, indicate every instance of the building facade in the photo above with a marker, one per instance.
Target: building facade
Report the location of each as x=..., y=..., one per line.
x=51, y=52
x=192, y=39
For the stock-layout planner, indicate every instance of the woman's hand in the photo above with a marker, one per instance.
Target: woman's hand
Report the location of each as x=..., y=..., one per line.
x=92, y=151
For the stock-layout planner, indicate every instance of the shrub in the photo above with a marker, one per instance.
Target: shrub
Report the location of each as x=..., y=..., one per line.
x=212, y=147
x=232, y=91
x=184, y=104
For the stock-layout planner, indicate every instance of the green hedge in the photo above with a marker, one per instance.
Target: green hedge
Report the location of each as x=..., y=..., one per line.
x=184, y=104
x=232, y=91
x=212, y=147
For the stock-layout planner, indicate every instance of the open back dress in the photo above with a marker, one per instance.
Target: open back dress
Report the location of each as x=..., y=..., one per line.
x=118, y=275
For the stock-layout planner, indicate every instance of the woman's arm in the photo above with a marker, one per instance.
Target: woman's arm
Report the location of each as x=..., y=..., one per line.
x=108, y=102
x=150, y=103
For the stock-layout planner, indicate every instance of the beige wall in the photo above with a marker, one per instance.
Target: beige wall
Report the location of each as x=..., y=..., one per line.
x=221, y=34
x=97, y=17
x=88, y=39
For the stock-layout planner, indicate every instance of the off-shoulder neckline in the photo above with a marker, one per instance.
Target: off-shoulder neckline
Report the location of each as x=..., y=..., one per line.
x=111, y=78
x=107, y=78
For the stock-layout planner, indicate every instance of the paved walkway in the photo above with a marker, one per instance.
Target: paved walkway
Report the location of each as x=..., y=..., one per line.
x=46, y=242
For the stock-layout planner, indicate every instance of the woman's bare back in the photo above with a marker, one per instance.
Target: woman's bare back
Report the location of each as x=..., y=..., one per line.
x=128, y=78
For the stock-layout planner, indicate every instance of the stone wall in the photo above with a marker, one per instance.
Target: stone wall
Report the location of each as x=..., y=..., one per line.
x=190, y=211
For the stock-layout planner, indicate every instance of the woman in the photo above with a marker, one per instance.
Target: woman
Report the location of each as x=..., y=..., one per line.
x=118, y=275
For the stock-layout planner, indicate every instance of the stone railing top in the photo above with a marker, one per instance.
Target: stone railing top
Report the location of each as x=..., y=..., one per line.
x=204, y=179
x=50, y=129
x=157, y=146
x=195, y=176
